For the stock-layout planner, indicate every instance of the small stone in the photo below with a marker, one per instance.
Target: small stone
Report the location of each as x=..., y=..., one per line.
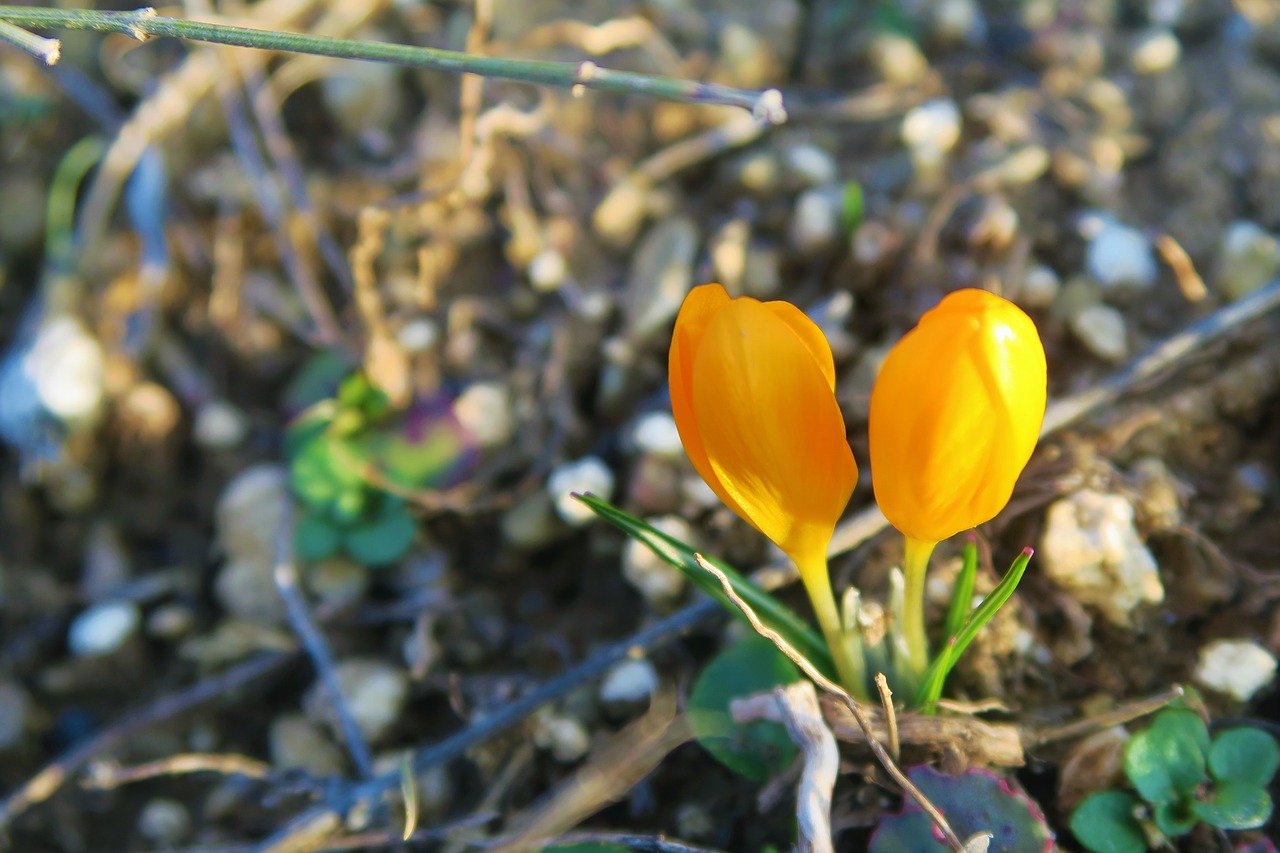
x=103, y=628
x=15, y=709
x=67, y=366
x=811, y=166
x=1102, y=330
x=1118, y=256
x=1158, y=495
x=251, y=512
x=694, y=821
x=618, y=217
x=1235, y=668
x=375, y=692
x=759, y=171
x=164, y=822
x=296, y=743
x=548, y=270
x=532, y=523
x=659, y=582
x=106, y=565
x=1248, y=258
x=1040, y=288
x=660, y=278
x=248, y=590
x=898, y=59
x=815, y=221
x=728, y=250
x=959, y=21
x=632, y=681
x=484, y=410
x=931, y=130
x=420, y=334
x=1091, y=548
x=566, y=737
x=762, y=277
x=336, y=580
x=655, y=434
x=171, y=621
x=362, y=96
x=219, y=425
x=588, y=474
x=1155, y=51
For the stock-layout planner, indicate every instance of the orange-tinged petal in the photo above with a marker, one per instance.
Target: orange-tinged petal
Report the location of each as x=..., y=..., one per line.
x=696, y=312
x=810, y=335
x=770, y=427
x=955, y=415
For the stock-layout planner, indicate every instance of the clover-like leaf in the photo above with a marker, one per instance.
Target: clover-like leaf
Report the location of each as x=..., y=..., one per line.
x=755, y=750
x=1106, y=822
x=1236, y=805
x=315, y=538
x=383, y=539
x=1175, y=817
x=1166, y=762
x=1244, y=754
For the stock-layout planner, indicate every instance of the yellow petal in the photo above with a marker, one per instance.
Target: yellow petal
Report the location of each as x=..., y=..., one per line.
x=770, y=426
x=955, y=415
x=812, y=337
x=699, y=307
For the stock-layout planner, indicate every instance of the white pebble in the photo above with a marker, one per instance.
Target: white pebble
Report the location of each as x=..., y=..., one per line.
x=1155, y=50
x=1120, y=256
x=1236, y=668
x=548, y=270
x=418, y=335
x=66, y=363
x=959, y=21
x=1248, y=258
x=931, y=130
x=164, y=821
x=566, y=738
x=484, y=410
x=1091, y=548
x=655, y=434
x=815, y=222
x=1101, y=328
x=1040, y=288
x=103, y=628
x=632, y=680
x=813, y=166
x=588, y=474
x=297, y=743
x=220, y=426
x=658, y=581
x=897, y=59
x=375, y=693
x=251, y=511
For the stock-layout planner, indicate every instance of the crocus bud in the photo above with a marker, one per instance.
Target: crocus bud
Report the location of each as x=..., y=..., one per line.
x=752, y=392
x=955, y=414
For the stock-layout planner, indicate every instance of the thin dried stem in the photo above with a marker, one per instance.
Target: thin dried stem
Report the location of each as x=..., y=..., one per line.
x=890, y=715
x=952, y=840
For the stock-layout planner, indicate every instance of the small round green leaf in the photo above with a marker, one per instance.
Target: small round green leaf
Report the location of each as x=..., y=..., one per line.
x=1166, y=762
x=1105, y=823
x=384, y=539
x=757, y=750
x=1175, y=817
x=314, y=538
x=1244, y=754
x=1236, y=805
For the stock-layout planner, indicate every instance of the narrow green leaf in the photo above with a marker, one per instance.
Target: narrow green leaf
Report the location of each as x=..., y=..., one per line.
x=936, y=676
x=1244, y=754
x=962, y=592
x=1106, y=823
x=679, y=555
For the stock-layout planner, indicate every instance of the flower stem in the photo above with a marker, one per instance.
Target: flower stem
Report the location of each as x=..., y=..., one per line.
x=915, y=564
x=145, y=22
x=848, y=660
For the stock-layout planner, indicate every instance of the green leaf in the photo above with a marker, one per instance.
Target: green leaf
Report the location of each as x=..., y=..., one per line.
x=1174, y=818
x=314, y=538
x=325, y=468
x=318, y=379
x=1246, y=755
x=307, y=427
x=384, y=539
x=962, y=592
x=1106, y=823
x=757, y=750
x=1236, y=805
x=679, y=555
x=852, y=207
x=936, y=676
x=1166, y=762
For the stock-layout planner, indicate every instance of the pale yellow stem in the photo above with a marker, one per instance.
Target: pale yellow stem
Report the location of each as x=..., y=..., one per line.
x=849, y=665
x=915, y=564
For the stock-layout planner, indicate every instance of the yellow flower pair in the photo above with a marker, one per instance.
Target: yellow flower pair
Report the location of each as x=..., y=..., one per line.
x=955, y=415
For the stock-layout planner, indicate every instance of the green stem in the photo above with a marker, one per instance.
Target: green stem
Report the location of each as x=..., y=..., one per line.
x=142, y=23
x=849, y=665
x=46, y=50
x=915, y=564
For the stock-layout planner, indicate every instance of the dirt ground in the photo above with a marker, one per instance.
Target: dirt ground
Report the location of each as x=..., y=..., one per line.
x=506, y=260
